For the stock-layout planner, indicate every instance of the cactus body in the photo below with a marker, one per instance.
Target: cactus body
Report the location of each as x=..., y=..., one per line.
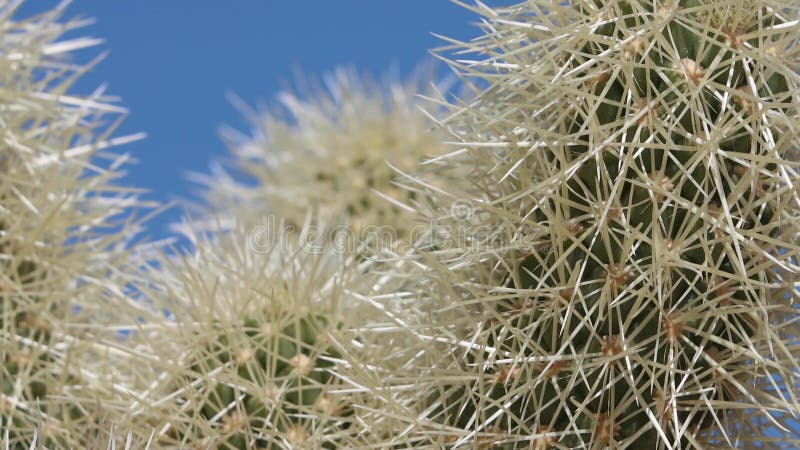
x=250, y=350
x=288, y=362
x=326, y=153
x=643, y=155
x=60, y=242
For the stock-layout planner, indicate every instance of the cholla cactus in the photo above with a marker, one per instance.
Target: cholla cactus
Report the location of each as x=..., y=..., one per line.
x=250, y=348
x=61, y=230
x=638, y=177
x=328, y=153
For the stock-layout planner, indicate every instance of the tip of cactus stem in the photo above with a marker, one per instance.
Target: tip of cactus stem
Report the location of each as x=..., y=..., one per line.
x=272, y=334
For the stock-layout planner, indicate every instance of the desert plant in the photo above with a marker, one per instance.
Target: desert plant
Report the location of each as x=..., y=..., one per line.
x=322, y=156
x=626, y=278
x=325, y=150
x=249, y=349
x=63, y=226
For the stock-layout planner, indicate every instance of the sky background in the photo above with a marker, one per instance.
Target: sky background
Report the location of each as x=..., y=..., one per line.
x=174, y=62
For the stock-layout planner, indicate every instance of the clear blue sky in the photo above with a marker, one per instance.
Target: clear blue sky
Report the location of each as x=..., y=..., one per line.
x=173, y=61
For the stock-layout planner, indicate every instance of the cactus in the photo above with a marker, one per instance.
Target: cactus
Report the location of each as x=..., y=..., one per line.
x=61, y=229
x=26, y=355
x=250, y=349
x=637, y=163
x=327, y=153
x=293, y=362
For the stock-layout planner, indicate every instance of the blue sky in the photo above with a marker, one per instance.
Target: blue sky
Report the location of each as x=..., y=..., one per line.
x=174, y=61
